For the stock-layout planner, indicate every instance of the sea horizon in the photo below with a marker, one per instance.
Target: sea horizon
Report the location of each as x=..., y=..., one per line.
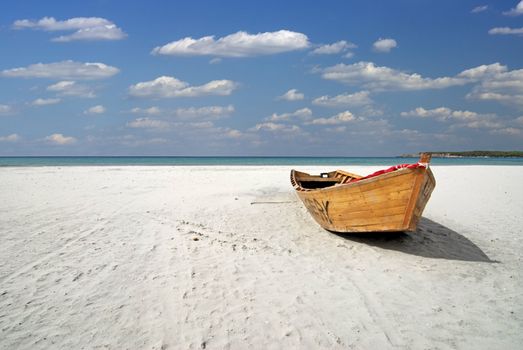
x=27, y=161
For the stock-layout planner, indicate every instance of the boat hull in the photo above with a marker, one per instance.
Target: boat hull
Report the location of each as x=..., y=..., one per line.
x=388, y=203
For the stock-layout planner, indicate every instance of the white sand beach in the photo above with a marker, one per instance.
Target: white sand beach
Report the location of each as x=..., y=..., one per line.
x=223, y=257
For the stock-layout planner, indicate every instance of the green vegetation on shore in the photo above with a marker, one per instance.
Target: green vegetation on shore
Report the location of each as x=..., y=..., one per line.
x=499, y=154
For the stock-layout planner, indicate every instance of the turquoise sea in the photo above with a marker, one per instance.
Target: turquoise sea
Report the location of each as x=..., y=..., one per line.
x=342, y=161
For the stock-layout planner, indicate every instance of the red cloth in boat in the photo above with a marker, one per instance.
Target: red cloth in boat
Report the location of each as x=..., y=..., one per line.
x=390, y=170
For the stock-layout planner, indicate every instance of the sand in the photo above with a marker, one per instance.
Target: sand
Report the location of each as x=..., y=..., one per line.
x=228, y=258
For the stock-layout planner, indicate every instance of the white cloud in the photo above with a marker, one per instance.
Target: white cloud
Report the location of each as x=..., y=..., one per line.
x=169, y=87
x=233, y=133
x=482, y=124
x=213, y=112
x=360, y=98
x=292, y=95
x=240, y=44
x=51, y=24
x=491, y=81
x=10, y=138
x=45, y=101
x=519, y=120
x=98, y=109
x=148, y=123
x=133, y=140
x=147, y=111
x=85, y=28
x=207, y=112
x=340, y=118
x=507, y=81
x=498, y=84
x=371, y=111
x=509, y=99
x=384, y=45
x=201, y=125
x=507, y=131
x=518, y=10
x=71, y=88
x=467, y=119
x=506, y=31
x=304, y=113
x=338, y=129
x=483, y=71
x=479, y=9
x=107, y=32
x=276, y=127
x=335, y=48
x=373, y=77
x=60, y=139
x=67, y=70
x=441, y=114
x=5, y=109
x=192, y=131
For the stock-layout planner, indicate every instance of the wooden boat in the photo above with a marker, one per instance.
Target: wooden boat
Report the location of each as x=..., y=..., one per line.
x=387, y=201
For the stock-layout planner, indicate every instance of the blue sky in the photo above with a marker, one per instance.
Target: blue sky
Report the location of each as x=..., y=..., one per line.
x=329, y=78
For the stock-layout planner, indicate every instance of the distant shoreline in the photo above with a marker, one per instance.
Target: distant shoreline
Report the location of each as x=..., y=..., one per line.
x=471, y=154
x=250, y=161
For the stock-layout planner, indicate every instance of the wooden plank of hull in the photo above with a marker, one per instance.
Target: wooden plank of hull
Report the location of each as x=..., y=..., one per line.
x=368, y=228
x=392, y=202
x=388, y=220
x=376, y=207
x=429, y=183
x=364, y=213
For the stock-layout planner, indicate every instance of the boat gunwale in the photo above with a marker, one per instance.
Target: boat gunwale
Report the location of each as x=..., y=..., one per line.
x=363, y=182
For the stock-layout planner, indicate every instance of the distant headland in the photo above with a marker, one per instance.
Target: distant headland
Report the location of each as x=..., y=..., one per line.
x=478, y=154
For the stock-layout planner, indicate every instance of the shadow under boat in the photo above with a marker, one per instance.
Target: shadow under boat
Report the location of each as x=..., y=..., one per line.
x=430, y=240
